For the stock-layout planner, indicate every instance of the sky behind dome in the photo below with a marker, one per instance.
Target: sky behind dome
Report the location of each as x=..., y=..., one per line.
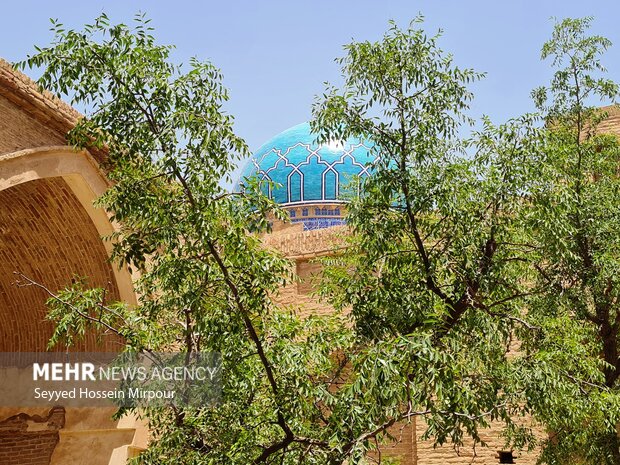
x=276, y=54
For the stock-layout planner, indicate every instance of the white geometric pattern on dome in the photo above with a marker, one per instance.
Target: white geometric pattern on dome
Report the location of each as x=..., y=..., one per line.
x=309, y=174
x=296, y=169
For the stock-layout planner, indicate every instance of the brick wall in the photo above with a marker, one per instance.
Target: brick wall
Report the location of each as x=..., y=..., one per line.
x=28, y=117
x=47, y=233
x=30, y=440
x=19, y=130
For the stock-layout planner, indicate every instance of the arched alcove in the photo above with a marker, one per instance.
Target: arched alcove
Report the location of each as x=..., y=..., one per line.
x=51, y=232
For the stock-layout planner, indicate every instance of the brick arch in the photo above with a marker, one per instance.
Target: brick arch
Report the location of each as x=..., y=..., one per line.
x=50, y=230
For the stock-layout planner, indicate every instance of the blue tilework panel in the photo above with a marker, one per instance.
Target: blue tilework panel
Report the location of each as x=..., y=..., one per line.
x=319, y=223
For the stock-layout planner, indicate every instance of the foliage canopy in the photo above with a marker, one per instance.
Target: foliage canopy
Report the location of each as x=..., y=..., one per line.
x=480, y=279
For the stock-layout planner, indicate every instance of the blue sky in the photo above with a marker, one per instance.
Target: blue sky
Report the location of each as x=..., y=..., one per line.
x=275, y=55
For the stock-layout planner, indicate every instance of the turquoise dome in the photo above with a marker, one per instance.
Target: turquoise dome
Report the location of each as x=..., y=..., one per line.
x=307, y=172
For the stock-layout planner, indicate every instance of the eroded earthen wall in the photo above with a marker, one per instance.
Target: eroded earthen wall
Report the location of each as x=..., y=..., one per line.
x=30, y=440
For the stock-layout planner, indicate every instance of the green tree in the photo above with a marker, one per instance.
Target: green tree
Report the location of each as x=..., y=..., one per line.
x=443, y=249
x=575, y=227
x=441, y=274
x=436, y=247
x=206, y=283
x=302, y=391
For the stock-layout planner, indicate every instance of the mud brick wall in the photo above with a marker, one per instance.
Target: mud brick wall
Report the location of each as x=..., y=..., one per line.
x=30, y=440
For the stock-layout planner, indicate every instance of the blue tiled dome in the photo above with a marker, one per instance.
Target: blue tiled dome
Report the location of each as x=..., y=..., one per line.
x=308, y=173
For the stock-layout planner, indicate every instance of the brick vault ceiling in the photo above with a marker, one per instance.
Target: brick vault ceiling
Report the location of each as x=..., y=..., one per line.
x=47, y=235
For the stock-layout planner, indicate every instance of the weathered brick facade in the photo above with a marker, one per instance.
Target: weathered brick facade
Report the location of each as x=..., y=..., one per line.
x=30, y=440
